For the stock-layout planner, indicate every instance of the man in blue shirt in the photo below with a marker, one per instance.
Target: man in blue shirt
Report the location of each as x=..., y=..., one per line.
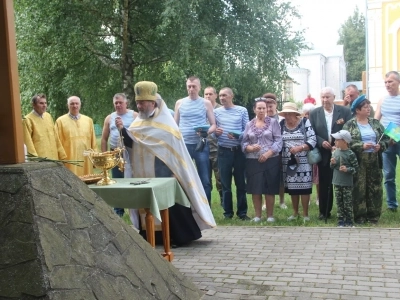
x=196, y=111
x=231, y=121
x=388, y=110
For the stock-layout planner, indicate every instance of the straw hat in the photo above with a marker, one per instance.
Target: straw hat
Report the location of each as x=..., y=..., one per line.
x=289, y=107
x=145, y=90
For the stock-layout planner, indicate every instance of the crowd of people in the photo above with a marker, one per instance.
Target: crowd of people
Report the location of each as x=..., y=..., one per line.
x=265, y=156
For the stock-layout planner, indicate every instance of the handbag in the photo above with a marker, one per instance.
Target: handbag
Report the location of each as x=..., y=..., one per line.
x=314, y=155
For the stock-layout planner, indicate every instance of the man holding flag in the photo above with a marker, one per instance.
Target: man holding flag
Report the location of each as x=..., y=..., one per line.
x=388, y=112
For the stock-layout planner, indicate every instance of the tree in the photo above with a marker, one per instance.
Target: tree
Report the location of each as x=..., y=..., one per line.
x=95, y=48
x=352, y=37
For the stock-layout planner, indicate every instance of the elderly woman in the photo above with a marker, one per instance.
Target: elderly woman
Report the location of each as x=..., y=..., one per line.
x=298, y=138
x=368, y=143
x=272, y=112
x=262, y=143
x=307, y=109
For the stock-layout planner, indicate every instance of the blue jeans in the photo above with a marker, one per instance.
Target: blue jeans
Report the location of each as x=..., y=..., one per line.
x=232, y=163
x=203, y=166
x=115, y=173
x=389, y=172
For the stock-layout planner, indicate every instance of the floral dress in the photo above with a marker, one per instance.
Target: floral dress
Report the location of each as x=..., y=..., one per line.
x=301, y=182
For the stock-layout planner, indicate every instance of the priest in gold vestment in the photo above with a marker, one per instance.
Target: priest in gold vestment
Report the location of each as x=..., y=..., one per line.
x=40, y=137
x=76, y=133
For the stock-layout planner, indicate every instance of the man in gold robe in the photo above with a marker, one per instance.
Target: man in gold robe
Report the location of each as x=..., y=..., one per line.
x=39, y=135
x=76, y=133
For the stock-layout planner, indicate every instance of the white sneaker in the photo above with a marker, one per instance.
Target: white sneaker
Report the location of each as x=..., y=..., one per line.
x=271, y=220
x=264, y=208
x=256, y=220
x=306, y=219
x=283, y=206
x=291, y=218
x=317, y=201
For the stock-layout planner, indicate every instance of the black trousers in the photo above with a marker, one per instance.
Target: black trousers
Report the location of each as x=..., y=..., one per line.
x=325, y=189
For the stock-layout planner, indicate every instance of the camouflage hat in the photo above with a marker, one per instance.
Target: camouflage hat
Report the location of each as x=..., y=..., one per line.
x=145, y=90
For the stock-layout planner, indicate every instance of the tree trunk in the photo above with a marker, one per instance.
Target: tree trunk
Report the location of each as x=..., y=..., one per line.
x=127, y=65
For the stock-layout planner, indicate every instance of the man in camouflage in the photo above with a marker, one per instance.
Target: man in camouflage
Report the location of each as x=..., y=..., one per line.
x=211, y=94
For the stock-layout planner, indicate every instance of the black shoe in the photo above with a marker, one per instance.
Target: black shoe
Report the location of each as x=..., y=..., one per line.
x=340, y=223
x=244, y=218
x=392, y=209
x=228, y=217
x=322, y=217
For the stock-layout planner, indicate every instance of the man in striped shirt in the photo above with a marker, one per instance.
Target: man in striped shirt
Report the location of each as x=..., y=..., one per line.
x=195, y=111
x=231, y=121
x=388, y=110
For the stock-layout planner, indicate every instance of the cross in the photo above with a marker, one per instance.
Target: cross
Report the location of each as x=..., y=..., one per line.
x=11, y=136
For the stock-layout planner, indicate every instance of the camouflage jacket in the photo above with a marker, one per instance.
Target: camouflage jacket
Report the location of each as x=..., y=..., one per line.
x=212, y=141
x=356, y=143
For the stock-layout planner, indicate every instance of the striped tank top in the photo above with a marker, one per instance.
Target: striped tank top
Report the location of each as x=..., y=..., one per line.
x=127, y=120
x=390, y=110
x=191, y=113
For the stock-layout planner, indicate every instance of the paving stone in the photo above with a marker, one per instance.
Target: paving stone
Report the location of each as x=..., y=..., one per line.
x=308, y=265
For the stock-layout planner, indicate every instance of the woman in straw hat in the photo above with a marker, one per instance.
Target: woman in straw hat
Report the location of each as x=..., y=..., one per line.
x=298, y=138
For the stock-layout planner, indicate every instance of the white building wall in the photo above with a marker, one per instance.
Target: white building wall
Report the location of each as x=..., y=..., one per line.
x=336, y=74
x=376, y=87
x=300, y=83
x=315, y=64
x=323, y=70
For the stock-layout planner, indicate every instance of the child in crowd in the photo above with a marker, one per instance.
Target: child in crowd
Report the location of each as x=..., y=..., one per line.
x=344, y=164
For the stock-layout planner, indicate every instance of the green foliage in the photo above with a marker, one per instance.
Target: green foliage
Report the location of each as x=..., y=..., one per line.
x=352, y=37
x=94, y=49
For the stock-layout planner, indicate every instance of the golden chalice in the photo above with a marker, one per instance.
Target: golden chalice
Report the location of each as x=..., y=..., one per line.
x=106, y=161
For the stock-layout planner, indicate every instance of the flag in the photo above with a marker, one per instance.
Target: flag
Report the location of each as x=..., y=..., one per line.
x=393, y=131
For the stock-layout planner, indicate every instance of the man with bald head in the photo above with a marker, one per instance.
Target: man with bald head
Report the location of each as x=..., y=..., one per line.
x=326, y=120
x=231, y=121
x=211, y=94
x=351, y=93
x=190, y=111
x=76, y=133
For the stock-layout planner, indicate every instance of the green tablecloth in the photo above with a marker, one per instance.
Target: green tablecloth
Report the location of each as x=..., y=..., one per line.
x=158, y=194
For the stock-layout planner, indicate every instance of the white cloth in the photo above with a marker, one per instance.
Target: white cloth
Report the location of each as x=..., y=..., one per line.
x=133, y=212
x=328, y=118
x=160, y=136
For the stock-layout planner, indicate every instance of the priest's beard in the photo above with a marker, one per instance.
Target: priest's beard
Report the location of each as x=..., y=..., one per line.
x=144, y=114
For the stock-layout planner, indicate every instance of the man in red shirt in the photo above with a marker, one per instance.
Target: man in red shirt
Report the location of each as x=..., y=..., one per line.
x=309, y=99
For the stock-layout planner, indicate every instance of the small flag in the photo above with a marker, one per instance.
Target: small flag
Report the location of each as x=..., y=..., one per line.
x=393, y=131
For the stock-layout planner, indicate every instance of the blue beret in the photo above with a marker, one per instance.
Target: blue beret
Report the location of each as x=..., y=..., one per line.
x=356, y=102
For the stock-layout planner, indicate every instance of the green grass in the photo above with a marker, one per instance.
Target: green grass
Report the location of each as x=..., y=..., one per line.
x=388, y=218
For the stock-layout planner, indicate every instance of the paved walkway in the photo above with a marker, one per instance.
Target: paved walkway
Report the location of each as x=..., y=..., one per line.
x=294, y=263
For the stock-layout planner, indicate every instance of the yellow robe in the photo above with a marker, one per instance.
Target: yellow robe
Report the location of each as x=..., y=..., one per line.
x=76, y=136
x=40, y=137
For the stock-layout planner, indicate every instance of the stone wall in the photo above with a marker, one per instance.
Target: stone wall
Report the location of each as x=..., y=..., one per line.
x=59, y=240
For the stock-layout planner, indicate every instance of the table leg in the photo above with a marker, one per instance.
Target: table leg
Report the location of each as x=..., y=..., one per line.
x=150, y=234
x=166, y=237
